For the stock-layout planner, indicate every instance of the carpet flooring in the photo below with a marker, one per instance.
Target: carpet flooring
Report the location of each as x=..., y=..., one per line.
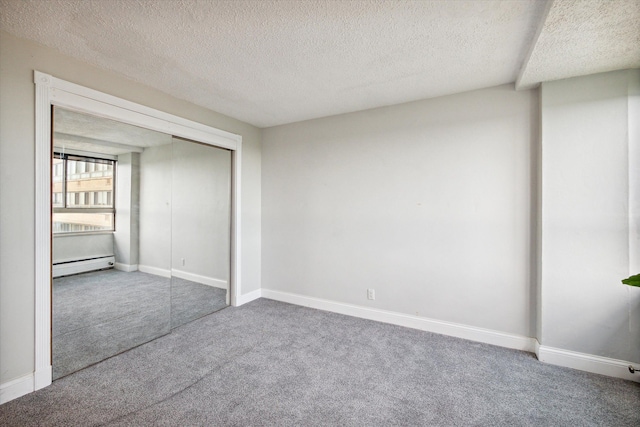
x=190, y=301
x=270, y=363
x=100, y=314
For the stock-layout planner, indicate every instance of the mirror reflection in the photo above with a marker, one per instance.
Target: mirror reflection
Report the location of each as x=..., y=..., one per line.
x=200, y=230
x=118, y=281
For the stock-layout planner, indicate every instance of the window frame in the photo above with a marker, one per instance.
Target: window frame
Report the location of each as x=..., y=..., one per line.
x=65, y=157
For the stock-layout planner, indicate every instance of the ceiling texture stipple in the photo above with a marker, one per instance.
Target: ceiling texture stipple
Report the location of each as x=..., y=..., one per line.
x=85, y=127
x=274, y=62
x=580, y=37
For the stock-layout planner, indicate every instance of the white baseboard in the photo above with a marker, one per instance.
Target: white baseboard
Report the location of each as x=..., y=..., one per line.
x=82, y=266
x=209, y=281
x=204, y=280
x=42, y=377
x=154, y=270
x=587, y=362
x=253, y=295
x=128, y=268
x=16, y=388
x=472, y=333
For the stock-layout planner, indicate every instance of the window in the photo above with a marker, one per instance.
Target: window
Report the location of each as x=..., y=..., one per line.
x=82, y=194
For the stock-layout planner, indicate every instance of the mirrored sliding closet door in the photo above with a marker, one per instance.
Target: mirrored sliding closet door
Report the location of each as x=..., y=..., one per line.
x=140, y=236
x=200, y=230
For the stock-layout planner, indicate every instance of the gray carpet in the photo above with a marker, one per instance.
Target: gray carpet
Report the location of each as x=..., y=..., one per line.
x=190, y=301
x=103, y=313
x=269, y=363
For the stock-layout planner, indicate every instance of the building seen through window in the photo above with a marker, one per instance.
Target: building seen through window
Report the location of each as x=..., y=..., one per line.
x=82, y=194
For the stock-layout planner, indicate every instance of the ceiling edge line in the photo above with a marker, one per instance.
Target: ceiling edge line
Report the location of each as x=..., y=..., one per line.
x=87, y=140
x=532, y=46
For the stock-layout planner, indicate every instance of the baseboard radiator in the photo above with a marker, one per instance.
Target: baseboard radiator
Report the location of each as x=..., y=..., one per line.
x=82, y=266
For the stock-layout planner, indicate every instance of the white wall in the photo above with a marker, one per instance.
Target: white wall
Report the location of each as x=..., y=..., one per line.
x=126, y=235
x=70, y=247
x=185, y=210
x=18, y=59
x=155, y=208
x=430, y=203
x=201, y=211
x=586, y=140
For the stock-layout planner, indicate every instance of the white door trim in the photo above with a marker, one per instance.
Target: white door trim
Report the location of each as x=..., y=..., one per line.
x=51, y=91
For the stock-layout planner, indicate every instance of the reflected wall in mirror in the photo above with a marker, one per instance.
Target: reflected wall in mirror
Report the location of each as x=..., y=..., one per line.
x=102, y=303
x=200, y=230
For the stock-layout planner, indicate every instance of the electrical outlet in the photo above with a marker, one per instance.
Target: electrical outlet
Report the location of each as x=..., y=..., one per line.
x=371, y=294
x=183, y=262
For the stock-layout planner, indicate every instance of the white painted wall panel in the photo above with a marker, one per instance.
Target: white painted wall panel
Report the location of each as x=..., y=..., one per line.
x=126, y=235
x=201, y=210
x=77, y=247
x=585, y=217
x=155, y=207
x=429, y=203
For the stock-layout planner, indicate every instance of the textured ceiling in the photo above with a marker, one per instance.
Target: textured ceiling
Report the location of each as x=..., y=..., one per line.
x=581, y=37
x=78, y=131
x=273, y=62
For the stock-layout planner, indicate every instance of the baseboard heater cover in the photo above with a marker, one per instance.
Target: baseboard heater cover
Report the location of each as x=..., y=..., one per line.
x=83, y=266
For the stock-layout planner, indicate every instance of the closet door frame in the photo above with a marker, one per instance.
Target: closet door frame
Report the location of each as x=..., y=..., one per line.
x=50, y=92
